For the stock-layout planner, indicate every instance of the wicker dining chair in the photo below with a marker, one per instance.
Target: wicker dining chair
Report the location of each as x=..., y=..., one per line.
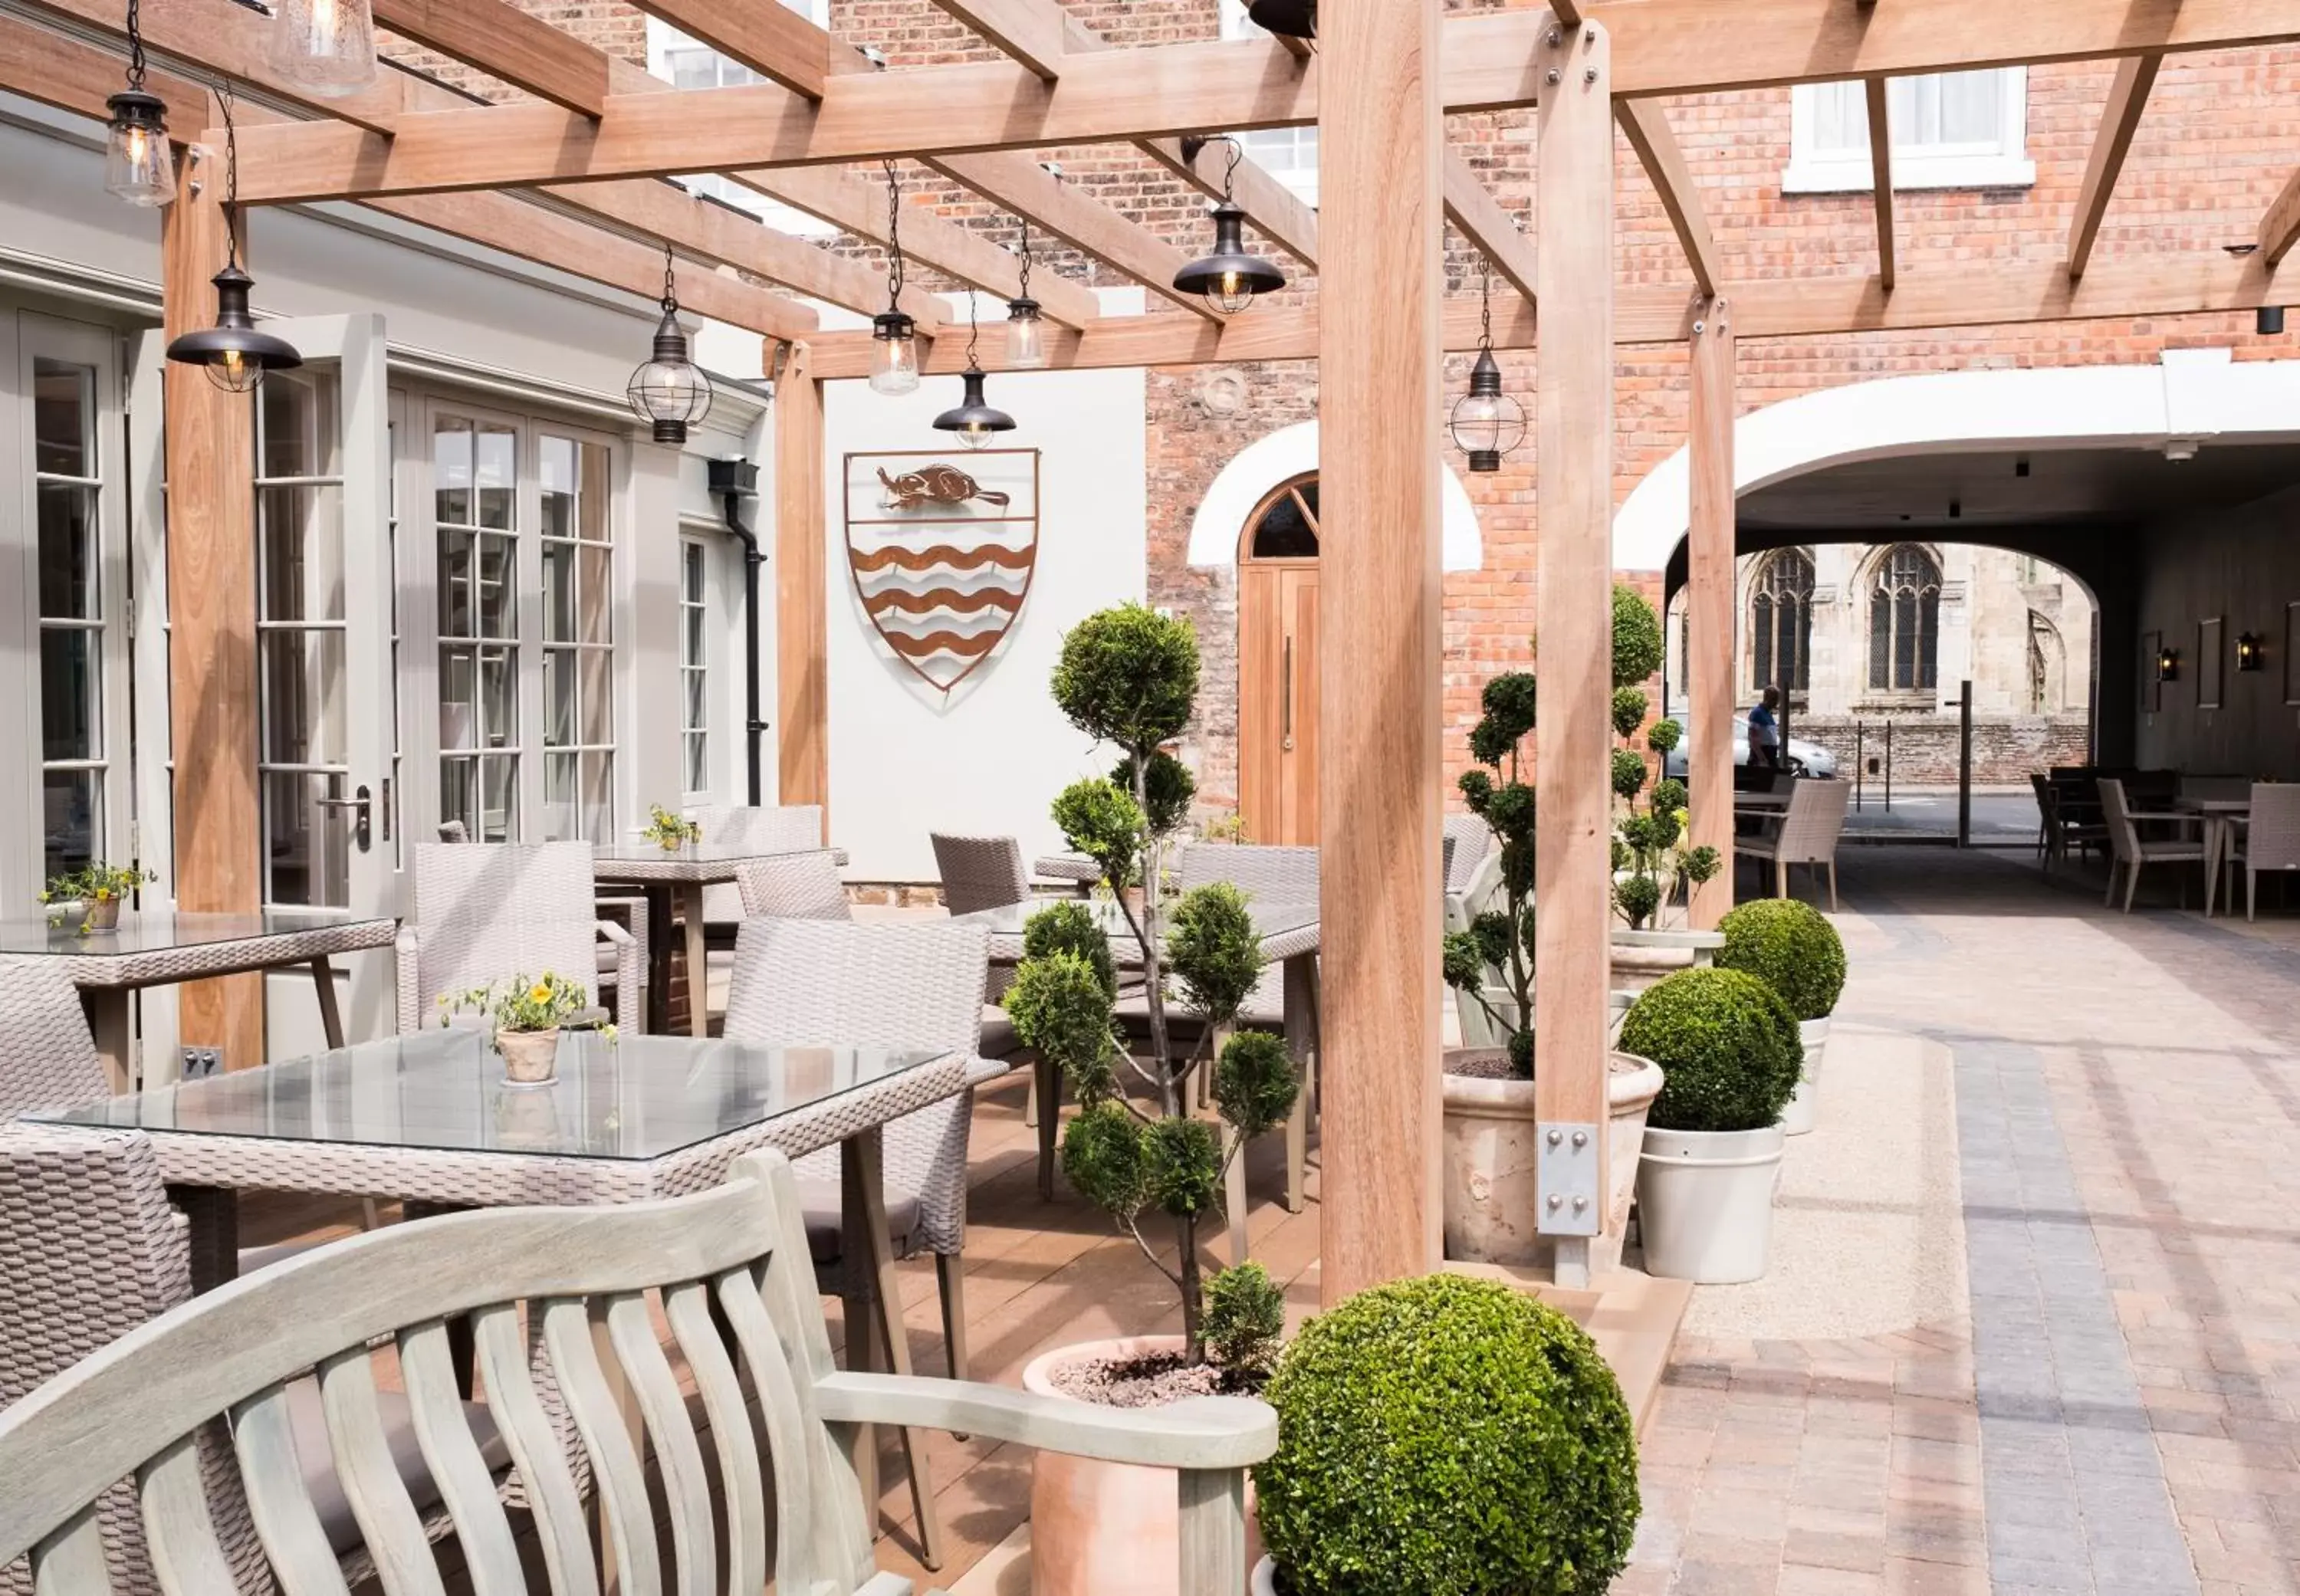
x=779, y=1499
x=1469, y=840
x=487, y=910
x=2269, y=837
x=92, y=1252
x=753, y=825
x=48, y=1058
x=978, y=873
x=1807, y=834
x=793, y=886
x=2131, y=850
x=887, y=983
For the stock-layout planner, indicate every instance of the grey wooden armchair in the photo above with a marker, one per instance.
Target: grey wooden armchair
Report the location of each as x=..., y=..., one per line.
x=485, y=910
x=734, y=1256
x=892, y=983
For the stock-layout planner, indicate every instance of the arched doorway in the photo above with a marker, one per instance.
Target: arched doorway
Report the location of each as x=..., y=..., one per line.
x=1278, y=665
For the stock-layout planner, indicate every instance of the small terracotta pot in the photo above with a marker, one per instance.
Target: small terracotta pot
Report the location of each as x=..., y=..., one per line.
x=1101, y=1529
x=100, y=914
x=529, y=1057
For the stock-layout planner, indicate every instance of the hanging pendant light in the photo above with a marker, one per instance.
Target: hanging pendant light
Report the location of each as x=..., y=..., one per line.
x=1296, y=19
x=1230, y=278
x=327, y=46
x=974, y=419
x=895, y=352
x=671, y=390
x=235, y=352
x=1486, y=423
x=1026, y=332
x=138, y=166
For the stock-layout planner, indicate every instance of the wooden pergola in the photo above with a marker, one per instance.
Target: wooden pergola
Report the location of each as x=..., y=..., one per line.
x=567, y=178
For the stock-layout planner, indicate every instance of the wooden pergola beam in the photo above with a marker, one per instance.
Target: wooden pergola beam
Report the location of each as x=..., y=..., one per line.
x=1664, y=47
x=2119, y=119
x=67, y=75
x=766, y=35
x=1034, y=32
x=1880, y=178
x=506, y=43
x=1479, y=218
x=1646, y=126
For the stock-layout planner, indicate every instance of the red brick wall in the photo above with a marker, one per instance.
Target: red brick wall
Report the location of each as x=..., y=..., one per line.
x=2221, y=134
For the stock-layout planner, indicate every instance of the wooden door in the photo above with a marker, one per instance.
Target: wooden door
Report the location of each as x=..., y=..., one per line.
x=1278, y=700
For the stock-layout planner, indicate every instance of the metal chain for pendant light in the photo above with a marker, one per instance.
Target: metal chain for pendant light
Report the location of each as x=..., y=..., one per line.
x=669, y=287
x=134, y=46
x=972, y=329
x=894, y=238
x=1484, y=300
x=1230, y=173
x=1024, y=223
x=231, y=175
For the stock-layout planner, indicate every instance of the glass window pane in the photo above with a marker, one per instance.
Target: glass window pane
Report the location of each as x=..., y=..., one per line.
x=459, y=794
x=496, y=476
x=556, y=460
x=598, y=698
x=1904, y=640
x=459, y=722
x=498, y=568
x=1283, y=533
x=499, y=800
x=1969, y=105
x=301, y=428
x=595, y=595
x=499, y=697
x=594, y=524
x=71, y=692
x=68, y=552
x=64, y=418
x=455, y=582
x=695, y=702
x=307, y=844
x=691, y=646
x=559, y=796
x=691, y=572
x=72, y=818
x=558, y=697
x=304, y=698
x=598, y=797
x=300, y=533
x=699, y=769
x=451, y=472
x=558, y=593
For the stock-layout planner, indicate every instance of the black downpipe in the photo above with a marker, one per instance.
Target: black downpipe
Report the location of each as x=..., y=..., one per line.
x=734, y=481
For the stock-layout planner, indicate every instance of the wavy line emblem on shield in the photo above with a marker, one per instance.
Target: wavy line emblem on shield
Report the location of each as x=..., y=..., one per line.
x=942, y=555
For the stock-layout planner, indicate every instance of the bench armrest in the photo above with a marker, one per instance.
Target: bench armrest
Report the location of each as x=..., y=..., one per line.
x=1203, y=1432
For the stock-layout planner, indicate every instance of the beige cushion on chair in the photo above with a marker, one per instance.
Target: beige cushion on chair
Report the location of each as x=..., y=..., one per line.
x=826, y=1225
x=309, y=1425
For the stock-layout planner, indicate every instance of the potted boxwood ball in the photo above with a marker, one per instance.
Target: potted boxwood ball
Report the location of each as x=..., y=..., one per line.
x=1793, y=949
x=1445, y=1436
x=1730, y=1056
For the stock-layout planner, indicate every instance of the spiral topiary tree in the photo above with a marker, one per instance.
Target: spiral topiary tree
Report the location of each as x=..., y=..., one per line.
x=1447, y=1437
x=1650, y=857
x=1130, y=675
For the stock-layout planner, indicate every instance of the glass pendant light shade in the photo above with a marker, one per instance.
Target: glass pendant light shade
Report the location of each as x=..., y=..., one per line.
x=1230, y=278
x=327, y=46
x=138, y=166
x=1026, y=335
x=974, y=420
x=236, y=353
x=894, y=353
x=671, y=391
x=1486, y=423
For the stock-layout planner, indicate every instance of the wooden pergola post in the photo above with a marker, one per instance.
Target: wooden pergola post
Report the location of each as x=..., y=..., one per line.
x=1380, y=134
x=211, y=466
x=1709, y=602
x=1573, y=877
x=802, y=625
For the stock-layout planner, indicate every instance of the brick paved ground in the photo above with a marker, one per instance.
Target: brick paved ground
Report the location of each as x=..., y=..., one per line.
x=2118, y=1414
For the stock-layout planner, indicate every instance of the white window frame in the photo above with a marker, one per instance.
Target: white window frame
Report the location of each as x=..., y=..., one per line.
x=695, y=545
x=1262, y=142
x=662, y=39
x=2001, y=162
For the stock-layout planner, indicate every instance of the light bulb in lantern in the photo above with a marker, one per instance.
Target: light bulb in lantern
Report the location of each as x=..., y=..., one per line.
x=1230, y=278
x=137, y=164
x=973, y=419
x=327, y=46
x=894, y=353
x=1026, y=335
x=1485, y=422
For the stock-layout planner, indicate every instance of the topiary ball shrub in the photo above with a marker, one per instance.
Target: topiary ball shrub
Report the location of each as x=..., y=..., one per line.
x=1728, y=1047
x=1790, y=945
x=1447, y=1437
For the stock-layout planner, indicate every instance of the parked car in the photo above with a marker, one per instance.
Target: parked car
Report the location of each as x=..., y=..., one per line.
x=1811, y=758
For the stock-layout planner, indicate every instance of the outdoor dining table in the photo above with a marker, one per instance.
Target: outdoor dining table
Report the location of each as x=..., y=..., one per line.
x=428, y=1119
x=1288, y=933
x=161, y=947
x=674, y=878
x=2220, y=817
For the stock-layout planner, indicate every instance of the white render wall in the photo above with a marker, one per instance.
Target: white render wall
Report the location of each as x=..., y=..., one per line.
x=988, y=759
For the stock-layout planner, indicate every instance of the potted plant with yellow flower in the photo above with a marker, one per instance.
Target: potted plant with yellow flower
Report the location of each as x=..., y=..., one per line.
x=670, y=832
x=528, y=1013
x=98, y=889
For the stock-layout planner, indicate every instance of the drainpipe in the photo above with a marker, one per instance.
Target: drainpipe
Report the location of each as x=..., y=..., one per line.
x=734, y=481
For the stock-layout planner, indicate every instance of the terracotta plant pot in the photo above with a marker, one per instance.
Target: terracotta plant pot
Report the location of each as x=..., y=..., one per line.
x=1804, y=1112
x=100, y=914
x=1492, y=1190
x=530, y=1058
x=1101, y=1529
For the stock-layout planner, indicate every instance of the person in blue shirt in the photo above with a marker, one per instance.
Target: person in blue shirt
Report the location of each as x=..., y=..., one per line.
x=1765, y=731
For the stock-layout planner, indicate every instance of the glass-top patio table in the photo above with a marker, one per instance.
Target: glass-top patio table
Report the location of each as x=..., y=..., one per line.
x=674, y=880
x=159, y=947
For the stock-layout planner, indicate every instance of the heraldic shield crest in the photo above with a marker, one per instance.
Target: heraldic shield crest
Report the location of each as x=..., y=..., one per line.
x=942, y=552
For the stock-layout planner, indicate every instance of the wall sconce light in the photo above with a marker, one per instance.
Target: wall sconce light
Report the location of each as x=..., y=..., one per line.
x=2168, y=665
x=2251, y=653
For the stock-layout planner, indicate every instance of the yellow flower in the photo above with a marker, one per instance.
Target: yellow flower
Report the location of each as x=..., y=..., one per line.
x=540, y=993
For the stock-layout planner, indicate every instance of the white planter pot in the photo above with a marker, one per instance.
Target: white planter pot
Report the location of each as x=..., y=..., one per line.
x=1706, y=1202
x=1265, y=1577
x=1635, y=968
x=1804, y=1112
x=1490, y=1147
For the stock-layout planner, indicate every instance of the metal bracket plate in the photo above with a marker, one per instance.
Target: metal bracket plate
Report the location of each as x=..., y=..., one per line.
x=1569, y=1179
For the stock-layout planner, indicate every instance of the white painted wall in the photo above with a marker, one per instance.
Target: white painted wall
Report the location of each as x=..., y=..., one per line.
x=905, y=759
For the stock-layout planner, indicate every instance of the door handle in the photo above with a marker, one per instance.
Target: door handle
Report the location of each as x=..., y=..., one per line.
x=360, y=802
x=1285, y=703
